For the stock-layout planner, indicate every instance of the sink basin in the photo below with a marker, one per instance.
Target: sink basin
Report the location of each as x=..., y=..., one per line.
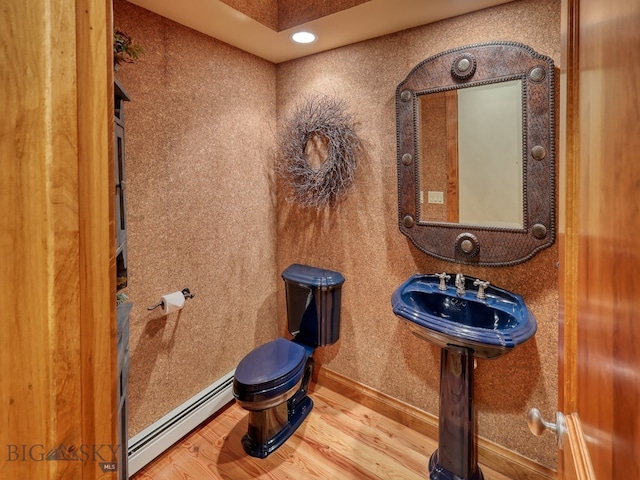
x=489, y=327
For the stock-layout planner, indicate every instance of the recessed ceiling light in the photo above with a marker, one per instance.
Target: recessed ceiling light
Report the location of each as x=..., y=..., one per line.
x=303, y=37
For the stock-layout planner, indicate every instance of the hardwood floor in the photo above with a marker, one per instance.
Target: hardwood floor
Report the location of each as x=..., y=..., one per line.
x=341, y=440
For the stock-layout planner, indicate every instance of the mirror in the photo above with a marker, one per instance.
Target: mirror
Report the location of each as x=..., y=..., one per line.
x=471, y=155
x=475, y=128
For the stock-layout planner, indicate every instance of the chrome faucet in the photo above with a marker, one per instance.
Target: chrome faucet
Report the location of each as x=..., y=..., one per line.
x=443, y=280
x=460, y=284
x=481, y=287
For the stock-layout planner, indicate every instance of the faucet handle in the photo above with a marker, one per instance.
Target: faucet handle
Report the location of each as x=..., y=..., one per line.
x=481, y=284
x=443, y=279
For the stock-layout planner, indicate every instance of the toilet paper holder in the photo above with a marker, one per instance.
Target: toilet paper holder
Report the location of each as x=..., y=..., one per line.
x=185, y=291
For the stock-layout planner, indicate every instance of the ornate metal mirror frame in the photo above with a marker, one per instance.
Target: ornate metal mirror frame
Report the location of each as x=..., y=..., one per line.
x=476, y=65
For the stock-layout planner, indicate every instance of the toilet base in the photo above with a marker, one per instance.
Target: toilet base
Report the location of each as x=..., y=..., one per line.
x=269, y=429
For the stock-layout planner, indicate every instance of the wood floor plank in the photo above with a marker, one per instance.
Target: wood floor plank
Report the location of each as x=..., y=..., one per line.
x=372, y=435
x=340, y=439
x=392, y=430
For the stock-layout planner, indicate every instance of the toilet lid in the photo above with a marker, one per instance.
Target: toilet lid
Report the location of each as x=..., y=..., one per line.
x=279, y=363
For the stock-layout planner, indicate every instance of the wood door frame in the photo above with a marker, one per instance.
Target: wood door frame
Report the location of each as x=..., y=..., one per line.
x=604, y=108
x=568, y=211
x=599, y=173
x=94, y=47
x=573, y=460
x=57, y=351
x=576, y=461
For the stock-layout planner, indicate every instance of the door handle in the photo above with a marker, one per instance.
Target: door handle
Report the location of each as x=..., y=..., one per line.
x=537, y=425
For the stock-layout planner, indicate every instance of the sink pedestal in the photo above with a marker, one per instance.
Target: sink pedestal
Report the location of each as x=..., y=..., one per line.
x=456, y=457
x=465, y=325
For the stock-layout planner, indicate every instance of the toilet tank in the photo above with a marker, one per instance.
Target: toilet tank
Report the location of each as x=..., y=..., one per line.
x=313, y=304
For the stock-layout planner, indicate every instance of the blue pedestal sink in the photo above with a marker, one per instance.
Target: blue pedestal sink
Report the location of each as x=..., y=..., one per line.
x=487, y=323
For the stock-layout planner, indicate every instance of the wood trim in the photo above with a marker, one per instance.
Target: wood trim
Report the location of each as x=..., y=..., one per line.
x=608, y=357
x=40, y=341
x=569, y=180
x=409, y=416
x=453, y=188
x=568, y=226
x=492, y=455
x=57, y=351
x=576, y=456
x=94, y=27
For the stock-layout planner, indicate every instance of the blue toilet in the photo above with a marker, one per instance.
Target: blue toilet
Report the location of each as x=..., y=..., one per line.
x=272, y=381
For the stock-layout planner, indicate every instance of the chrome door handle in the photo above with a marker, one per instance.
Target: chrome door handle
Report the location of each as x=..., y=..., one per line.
x=537, y=425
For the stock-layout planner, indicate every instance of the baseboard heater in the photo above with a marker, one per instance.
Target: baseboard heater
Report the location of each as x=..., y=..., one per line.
x=162, y=434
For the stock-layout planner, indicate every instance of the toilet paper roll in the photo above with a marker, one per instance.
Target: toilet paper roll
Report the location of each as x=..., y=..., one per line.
x=172, y=302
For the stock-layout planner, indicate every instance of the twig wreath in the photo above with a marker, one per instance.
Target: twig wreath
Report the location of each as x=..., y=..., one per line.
x=321, y=119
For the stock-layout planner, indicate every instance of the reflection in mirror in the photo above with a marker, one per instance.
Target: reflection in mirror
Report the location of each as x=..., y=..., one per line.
x=476, y=154
x=471, y=155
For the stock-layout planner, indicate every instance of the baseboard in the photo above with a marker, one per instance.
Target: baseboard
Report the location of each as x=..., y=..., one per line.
x=577, y=461
x=162, y=434
x=494, y=456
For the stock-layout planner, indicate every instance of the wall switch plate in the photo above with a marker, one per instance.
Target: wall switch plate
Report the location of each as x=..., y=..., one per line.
x=435, y=197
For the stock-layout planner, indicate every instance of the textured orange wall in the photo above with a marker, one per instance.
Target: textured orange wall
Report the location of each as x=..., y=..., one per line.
x=263, y=11
x=199, y=130
x=295, y=12
x=202, y=214
x=283, y=14
x=433, y=150
x=360, y=236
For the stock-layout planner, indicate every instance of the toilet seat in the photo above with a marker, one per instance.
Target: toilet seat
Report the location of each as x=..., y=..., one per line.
x=269, y=372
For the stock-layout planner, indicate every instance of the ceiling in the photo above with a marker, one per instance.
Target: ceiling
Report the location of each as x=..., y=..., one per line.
x=367, y=20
